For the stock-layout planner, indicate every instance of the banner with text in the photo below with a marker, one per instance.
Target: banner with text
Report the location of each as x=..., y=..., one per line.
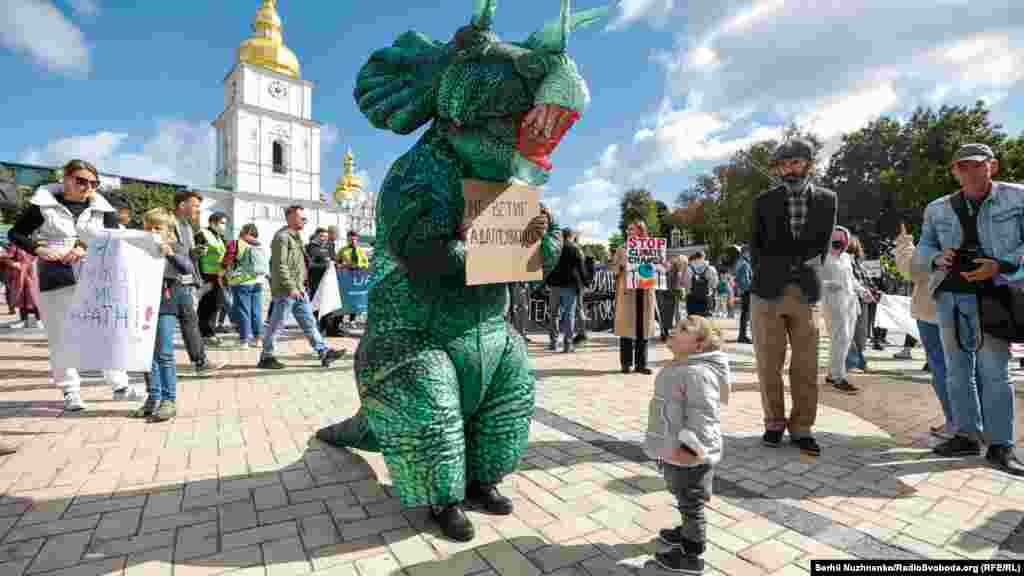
x=355, y=290
x=111, y=322
x=497, y=250
x=644, y=268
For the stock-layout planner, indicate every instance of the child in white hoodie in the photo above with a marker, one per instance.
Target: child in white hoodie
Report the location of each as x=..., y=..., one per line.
x=684, y=434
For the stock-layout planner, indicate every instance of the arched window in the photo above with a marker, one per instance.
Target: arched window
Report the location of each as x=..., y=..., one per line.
x=278, y=153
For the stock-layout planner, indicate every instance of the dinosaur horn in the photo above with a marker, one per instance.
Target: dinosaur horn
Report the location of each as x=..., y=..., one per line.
x=483, y=13
x=566, y=29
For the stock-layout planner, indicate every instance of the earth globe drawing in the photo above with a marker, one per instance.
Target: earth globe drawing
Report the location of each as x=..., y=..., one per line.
x=646, y=270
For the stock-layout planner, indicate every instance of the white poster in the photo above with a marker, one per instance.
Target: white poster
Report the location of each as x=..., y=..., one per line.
x=893, y=313
x=643, y=268
x=111, y=323
x=328, y=296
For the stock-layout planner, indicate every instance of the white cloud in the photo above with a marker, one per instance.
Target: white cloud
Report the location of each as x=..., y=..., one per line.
x=85, y=7
x=178, y=152
x=737, y=71
x=38, y=29
x=590, y=231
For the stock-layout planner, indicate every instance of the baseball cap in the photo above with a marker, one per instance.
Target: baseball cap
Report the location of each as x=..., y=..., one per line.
x=975, y=152
x=796, y=149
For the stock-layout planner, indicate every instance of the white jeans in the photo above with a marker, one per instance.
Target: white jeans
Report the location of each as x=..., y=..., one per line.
x=843, y=308
x=52, y=306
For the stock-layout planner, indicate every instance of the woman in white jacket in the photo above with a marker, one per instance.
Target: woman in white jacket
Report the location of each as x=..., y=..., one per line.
x=842, y=295
x=56, y=227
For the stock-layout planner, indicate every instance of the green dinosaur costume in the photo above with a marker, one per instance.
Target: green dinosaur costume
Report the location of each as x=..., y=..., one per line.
x=446, y=385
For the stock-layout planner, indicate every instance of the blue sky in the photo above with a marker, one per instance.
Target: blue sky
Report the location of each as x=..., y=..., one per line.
x=675, y=87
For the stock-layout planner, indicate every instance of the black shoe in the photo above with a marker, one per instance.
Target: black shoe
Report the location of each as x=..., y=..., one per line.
x=486, y=497
x=671, y=536
x=454, y=523
x=330, y=355
x=627, y=369
x=579, y=339
x=807, y=445
x=958, y=446
x=845, y=387
x=1003, y=458
x=743, y=340
x=678, y=562
x=270, y=363
x=830, y=380
x=645, y=370
x=772, y=438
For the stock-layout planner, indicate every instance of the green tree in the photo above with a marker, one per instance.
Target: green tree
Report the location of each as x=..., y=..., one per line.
x=638, y=204
x=10, y=213
x=597, y=251
x=142, y=197
x=615, y=240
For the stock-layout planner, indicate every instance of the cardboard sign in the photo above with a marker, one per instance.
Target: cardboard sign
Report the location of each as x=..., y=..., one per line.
x=116, y=304
x=327, y=298
x=643, y=270
x=355, y=290
x=497, y=215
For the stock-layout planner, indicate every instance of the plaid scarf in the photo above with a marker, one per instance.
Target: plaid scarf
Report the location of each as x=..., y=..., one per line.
x=796, y=205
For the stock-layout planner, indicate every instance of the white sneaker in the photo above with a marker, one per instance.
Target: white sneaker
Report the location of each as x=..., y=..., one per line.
x=129, y=393
x=17, y=325
x=31, y=323
x=73, y=402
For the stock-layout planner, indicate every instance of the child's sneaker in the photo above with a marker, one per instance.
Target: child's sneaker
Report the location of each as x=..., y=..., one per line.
x=678, y=562
x=73, y=402
x=671, y=536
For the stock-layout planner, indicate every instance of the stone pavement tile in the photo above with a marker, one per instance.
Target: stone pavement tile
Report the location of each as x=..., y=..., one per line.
x=506, y=560
x=346, y=552
x=19, y=550
x=532, y=514
x=384, y=507
x=811, y=547
x=726, y=540
x=102, y=506
x=49, y=529
x=882, y=533
x=930, y=531
x=238, y=515
x=344, y=511
x=363, y=528
x=770, y=555
x=409, y=547
x=214, y=499
x=285, y=558
x=292, y=512
x=133, y=545
x=229, y=561
x=196, y=541
x=329, y=492
x=190, y=518
x=755, y=529
x=268, y=497
x=790, y=570
x=157, y=562
x=919, y=547
x=728, y=563
x=551, y=558
x=108, y=567
x=318, y=531
x=457, y=564
x=972, y=546
x=118, y=524
x=259, y=535
x=61, y=551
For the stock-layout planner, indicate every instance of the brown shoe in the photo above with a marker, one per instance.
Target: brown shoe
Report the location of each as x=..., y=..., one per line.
x=6, y=449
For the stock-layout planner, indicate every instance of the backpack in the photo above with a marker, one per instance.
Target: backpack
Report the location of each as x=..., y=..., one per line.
x=700, y=291
x=253, y=263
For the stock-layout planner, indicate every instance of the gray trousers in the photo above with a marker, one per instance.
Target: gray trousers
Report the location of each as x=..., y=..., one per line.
x=691, y=486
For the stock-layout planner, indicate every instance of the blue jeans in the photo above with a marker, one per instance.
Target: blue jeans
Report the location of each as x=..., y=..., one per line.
x=162, y=383
x=978, y=379
x=567, y=312
x=249, y=306
x=303, y=314
x=931, y=341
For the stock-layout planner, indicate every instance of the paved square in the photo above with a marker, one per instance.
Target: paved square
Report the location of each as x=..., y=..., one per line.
x=237, y=485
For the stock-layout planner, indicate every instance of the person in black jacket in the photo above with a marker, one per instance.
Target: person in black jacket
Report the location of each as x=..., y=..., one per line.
x=792, y=226
x=568, y=277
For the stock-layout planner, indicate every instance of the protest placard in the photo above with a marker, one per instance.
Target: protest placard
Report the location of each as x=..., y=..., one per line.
x=644, y=268
x=111, y=322
x=328, y=296
x=893, y=313
x=497, y=215
x=354, y=286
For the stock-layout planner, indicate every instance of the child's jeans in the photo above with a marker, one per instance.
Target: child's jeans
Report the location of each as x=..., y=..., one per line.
x=691, y=486
x=162, y=380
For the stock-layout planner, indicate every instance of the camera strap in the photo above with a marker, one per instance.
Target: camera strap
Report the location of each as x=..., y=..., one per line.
x=960, y=207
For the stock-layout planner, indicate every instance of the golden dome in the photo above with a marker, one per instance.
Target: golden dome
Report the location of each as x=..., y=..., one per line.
x=348, y=184
x=266, y=47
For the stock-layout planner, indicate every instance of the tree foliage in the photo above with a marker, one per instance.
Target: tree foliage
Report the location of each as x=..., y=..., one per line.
x=142, y=197
x=596, y=251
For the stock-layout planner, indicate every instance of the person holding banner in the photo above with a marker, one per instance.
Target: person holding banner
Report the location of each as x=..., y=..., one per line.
x=162, y=379
x=246, y=271
x=55, y=228
x=635, y=311
x=353, y=257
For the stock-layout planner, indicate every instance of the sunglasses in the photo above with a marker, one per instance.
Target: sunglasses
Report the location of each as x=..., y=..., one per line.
x=87, y=182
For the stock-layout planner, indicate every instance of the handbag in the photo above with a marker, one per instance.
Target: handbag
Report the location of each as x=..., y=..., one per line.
x=1000, y=307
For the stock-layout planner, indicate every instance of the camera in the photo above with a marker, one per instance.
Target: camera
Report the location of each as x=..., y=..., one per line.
x=963, y=259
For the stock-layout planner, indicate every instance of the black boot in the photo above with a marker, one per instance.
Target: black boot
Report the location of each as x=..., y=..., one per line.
x=487, y=497
x=454, y=523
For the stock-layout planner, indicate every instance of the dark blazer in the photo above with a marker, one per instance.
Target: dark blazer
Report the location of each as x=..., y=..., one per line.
x=777, y=259
x=569, y=271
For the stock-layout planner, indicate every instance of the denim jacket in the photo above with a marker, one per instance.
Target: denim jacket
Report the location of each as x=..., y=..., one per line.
x=1000, y=231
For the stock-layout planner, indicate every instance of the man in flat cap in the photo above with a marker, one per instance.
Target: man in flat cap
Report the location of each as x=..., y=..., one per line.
x=792, y=226
x=970, y=239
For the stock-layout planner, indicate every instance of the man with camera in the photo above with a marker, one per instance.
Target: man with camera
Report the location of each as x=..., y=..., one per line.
x=969, y=240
